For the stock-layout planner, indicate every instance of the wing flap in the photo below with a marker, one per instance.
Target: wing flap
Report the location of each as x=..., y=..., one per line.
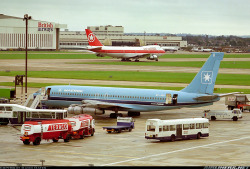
x=102, y=105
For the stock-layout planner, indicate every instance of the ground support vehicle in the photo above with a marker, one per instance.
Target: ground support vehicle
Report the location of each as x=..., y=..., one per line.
x=237, y=101
x=177, y=129
x=123, y=123
x=6, y=95
x=234, y=114
x=82, y=125
x=35, y=131
x=18, y=114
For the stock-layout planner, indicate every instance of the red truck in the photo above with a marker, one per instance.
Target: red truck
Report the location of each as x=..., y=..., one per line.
x=55, y=129
x=237, y=101
x=82, y=125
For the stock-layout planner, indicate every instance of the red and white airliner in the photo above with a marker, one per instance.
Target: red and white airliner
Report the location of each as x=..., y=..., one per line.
x=151, y=52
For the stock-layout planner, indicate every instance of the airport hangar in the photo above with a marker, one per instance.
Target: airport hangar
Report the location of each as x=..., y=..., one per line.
x=42, y=35
x=114, y=36
x=46, y=35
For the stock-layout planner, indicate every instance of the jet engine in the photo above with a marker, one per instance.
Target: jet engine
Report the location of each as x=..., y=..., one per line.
x=77, y=109
x=153, y=57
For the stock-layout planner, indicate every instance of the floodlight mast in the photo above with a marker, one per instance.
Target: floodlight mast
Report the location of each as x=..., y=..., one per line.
x=26, y=18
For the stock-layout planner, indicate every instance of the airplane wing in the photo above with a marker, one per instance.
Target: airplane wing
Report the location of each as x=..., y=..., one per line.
x=103, y=105
x=211, y=97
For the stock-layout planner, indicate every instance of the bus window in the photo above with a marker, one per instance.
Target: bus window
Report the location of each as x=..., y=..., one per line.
x=53, y=115
x=65, y=114
x=160, y=128
x=192, y=126
x=205, y=125
x=14, y=114
x=185, y=126
x=45, y=115
x=165, y=128
x=35, y=115
x=28, y=114
x=8, y=108
x=199, y=125
x=150, y=128
x=172, y=127
x=2, y=109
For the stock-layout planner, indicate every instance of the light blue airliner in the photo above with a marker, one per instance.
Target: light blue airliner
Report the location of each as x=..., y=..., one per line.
x=98, y=99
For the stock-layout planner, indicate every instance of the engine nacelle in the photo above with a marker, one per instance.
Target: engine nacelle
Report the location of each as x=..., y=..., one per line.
x=75, y=109
x=152, y=57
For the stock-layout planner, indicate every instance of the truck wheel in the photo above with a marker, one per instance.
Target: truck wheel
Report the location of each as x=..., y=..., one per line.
x=213, y=118
x=235, y=118
x=82, y=136
x=37, y=141
x=26, y=142
x=93, y=132
x=55, y=140
x=130, y=129
x=119, y=130
x=67, y=138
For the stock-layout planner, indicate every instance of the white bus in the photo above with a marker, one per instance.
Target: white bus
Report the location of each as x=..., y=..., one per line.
x=165, y=130
x=18, y=114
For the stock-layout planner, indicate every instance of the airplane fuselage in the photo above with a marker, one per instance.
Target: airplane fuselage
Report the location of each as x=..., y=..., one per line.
x=136, y=100
x=129, y=52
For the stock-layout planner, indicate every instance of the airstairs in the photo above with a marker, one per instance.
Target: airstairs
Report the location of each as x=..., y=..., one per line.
x=35, y=102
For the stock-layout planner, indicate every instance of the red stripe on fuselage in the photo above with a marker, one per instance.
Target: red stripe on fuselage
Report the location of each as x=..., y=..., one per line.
x=129, y=51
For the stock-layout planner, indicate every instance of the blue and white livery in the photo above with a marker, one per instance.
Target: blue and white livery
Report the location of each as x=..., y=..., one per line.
x=98, y=99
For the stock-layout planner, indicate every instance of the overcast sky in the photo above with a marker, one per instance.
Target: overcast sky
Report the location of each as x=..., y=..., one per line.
x=213, y=17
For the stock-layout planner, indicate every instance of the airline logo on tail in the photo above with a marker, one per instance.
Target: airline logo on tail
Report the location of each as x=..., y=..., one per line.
x=206, y=77
x=91, y=37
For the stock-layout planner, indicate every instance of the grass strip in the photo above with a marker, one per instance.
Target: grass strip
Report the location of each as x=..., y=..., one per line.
x=39, y=85
x=165, y=77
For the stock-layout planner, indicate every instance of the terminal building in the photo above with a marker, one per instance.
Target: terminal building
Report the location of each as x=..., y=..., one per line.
x=42, y=35
x=115, y=36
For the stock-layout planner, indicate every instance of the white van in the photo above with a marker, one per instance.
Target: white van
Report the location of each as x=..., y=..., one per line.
x=234, y=114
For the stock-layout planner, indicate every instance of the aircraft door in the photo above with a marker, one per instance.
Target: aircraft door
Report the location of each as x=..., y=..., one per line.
x=48, y=92
x=174, y=100
x=179, y=131
x=168, y=98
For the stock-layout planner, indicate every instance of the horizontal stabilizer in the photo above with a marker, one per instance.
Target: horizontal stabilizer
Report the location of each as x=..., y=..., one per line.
x=212, y=97
x=228, y=94
x=206, y=98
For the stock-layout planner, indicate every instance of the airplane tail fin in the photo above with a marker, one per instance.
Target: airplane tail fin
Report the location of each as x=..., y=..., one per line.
x=204, y=81
x=93, y=41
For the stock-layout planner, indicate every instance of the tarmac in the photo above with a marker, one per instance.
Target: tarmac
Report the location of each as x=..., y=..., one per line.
x=227, y=145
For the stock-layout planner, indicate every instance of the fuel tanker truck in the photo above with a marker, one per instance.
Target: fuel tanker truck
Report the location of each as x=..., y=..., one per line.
x=55, y=129
x=82, y=125
x=75, y=127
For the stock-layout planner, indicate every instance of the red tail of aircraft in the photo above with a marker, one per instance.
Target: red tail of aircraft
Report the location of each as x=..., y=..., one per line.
x=93, y=40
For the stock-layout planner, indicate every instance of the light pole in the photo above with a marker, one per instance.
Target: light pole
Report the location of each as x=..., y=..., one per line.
x=26, y=18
